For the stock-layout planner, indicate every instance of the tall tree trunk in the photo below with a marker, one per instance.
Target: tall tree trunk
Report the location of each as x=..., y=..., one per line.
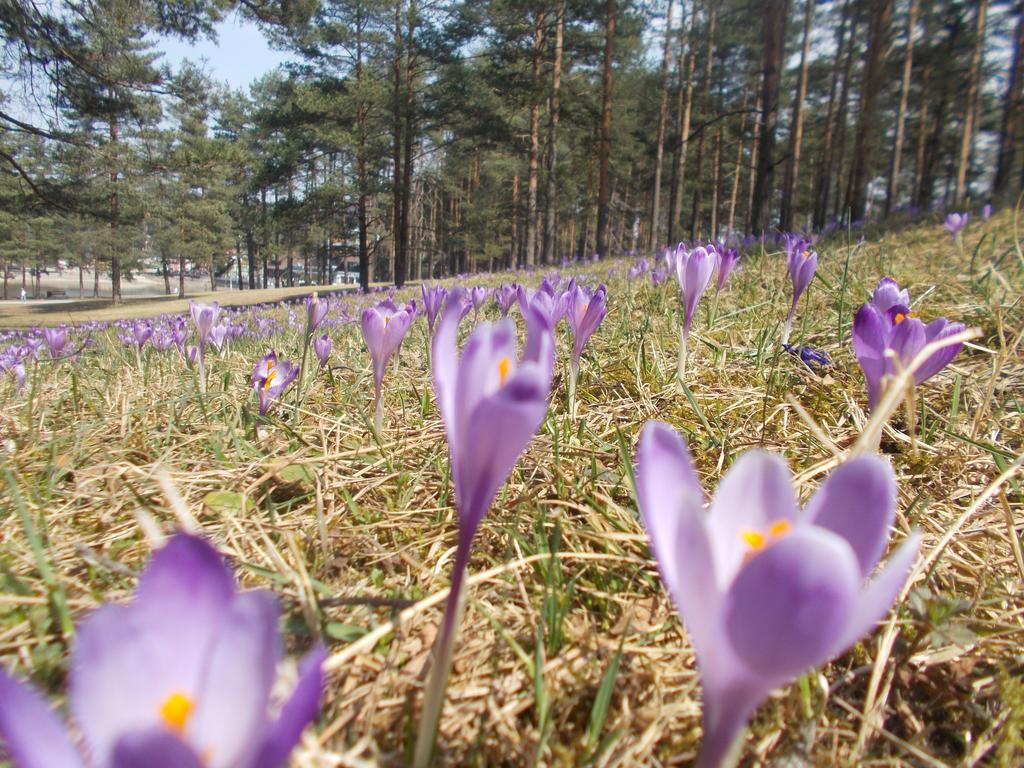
x=513, y=257
x=771, y=60
x=865, y=144
x=604, y=150
x=1012, y=110
x=740, y=140
x=534, y=157
x=684, y=109
x=115, y=216
x=716, y=181
x=755, y=142
x=796, y=133
x=402, y=269
x=659, y=148
x=823, y=176
x=250, y=252
x=922, y=132
x=893, y=187
x=708, y=87
x=967, y=139
x=165, y=270
x=550, y=239
x=397, y=145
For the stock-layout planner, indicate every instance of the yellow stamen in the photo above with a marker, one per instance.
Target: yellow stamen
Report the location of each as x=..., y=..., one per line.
x=807, y=253
x=270, y=378
x=175, y=711
x=503, y=365
x=755, y=539
x=779, y=528
x=900, y=317
x=387, y=319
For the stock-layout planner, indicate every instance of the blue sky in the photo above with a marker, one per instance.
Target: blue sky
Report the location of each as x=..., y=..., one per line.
x=240, y=55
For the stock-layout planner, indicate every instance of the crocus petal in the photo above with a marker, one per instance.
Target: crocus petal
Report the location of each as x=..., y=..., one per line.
x=756, y=492
x=480, y=368
x=869, y=332
x=936, y=330
x=298, y=712
x=500, y=427
x=789, y=605
x=29, y=730
x=877, y=597
x=231, y=702
x=671, y=505
x=857, y=502
x=726, y=712
x=155, y=748
x=906, y=342
x=540, y=344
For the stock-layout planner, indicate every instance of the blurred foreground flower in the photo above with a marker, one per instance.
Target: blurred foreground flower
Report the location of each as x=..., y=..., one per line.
x=180, y=677
x=766, y=591
x=491, y=406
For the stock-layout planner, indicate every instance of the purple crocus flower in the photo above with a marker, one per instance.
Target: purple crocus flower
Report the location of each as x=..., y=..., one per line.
x=811, y=357
x=766, y=590
x=954, y=222
x=384, y=327
x=217, y=335
x=322, y=346
x=478, y=295
x=506, y=297
x=585, y=311
x=658, y=275
x=316, y=311
x=986, y=212
x=491, y=406
x=181, y=676
x=888, y=294
x=728, y=260
x=693, y=271
x=204, y=316
x=886, y=342
x=270, y=378
x=162, y=340
x=802, y=263
x=433, y=300
x=141, y=331
x=56, y=340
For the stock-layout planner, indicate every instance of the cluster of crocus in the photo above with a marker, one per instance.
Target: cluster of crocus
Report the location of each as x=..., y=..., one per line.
x=384, y=327
x=802, y=263
x=887, y=336
x=766, y=591
x=693, y=272
x=181, y=677
x=491, y=406
x=270, y=378
x=584, y=313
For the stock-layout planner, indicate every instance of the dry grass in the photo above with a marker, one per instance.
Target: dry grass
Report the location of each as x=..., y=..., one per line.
x=359, y=544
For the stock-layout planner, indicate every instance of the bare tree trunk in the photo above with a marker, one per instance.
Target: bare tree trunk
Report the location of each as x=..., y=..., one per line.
x=772, y=60
x=717, y=179
x=402, y=266
x=659, y=149
x=604, y=150
x=550, y=239
x=754, y=144
x=708, y=87
x=740, y=140
x=165, y=271
x=796, y=133
x=534, y=156
x=821, y=182
x=893, y=190
x=1012, y=109
x=972, y=93
x=684, y=108
x=397, y=145
x=841, y=203
x=865, y=144
x=513, y=258
x=115, y=215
